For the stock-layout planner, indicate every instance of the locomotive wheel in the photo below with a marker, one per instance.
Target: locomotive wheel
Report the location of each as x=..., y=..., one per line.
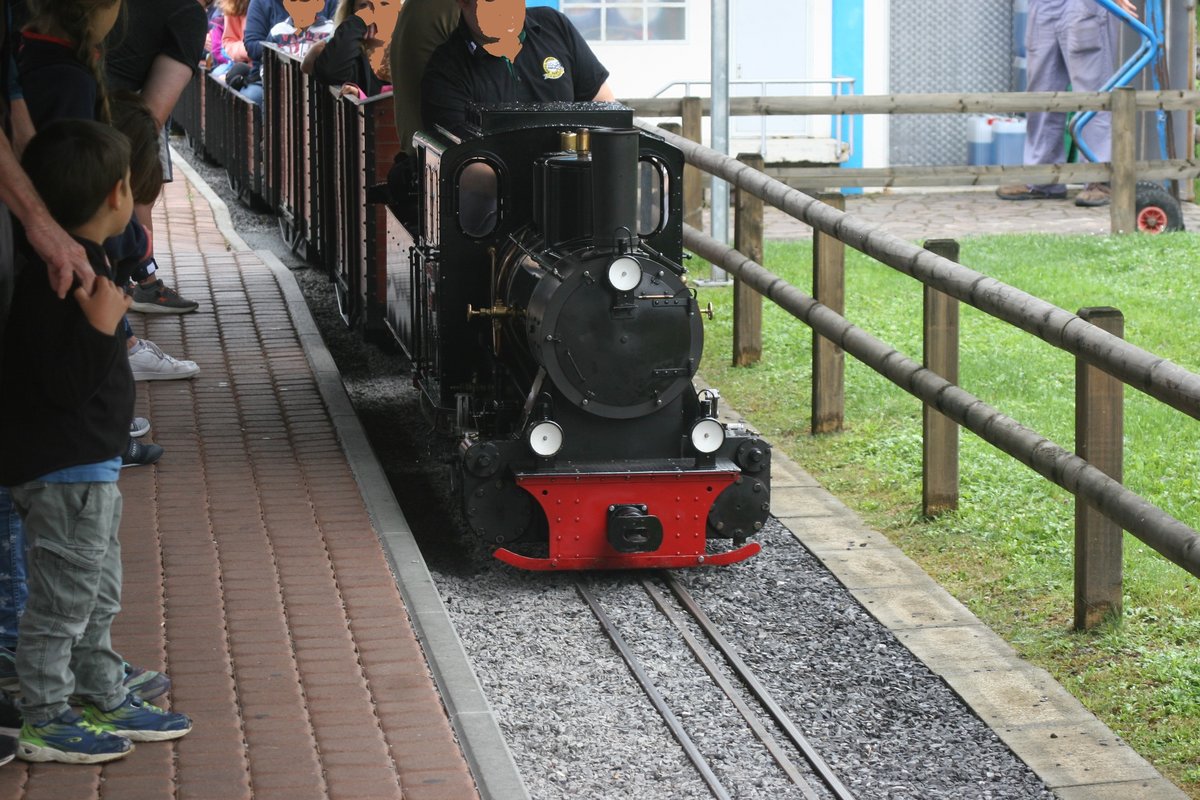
x=1157, y=211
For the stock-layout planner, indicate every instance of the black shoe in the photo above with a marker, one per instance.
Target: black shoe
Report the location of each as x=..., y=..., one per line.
x=140, y=454
x=8, y=749
x=10, y=717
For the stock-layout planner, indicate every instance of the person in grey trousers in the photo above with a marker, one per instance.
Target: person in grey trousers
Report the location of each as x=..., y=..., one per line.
x=1069, y=43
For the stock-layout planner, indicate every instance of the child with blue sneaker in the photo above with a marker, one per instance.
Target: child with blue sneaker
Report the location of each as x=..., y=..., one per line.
x=65, y=424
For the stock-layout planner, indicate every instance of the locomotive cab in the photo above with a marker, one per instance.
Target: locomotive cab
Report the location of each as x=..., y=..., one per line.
x=553, y=331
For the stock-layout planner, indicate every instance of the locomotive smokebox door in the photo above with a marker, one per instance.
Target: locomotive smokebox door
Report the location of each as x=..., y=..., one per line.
x=632, y=530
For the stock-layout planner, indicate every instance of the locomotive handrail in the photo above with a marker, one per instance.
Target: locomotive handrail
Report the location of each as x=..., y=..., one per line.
x=1175, y=540
x=1156, y=376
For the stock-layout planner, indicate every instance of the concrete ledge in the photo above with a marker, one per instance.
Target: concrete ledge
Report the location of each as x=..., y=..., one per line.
x=1080, y=754
x=1156, y=789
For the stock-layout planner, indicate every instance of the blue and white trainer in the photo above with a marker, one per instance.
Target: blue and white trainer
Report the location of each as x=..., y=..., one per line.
x=70, y=739
x=139, y=721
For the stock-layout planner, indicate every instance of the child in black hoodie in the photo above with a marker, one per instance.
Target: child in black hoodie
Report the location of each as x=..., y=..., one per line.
x=64, y=418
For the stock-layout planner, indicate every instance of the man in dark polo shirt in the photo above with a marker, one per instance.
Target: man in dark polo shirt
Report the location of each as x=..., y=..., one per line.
x=491, y=57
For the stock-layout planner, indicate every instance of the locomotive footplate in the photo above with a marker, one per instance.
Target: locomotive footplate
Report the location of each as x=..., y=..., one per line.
x=651, y=519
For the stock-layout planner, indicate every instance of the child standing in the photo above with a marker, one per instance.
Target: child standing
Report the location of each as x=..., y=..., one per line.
x=65, y=424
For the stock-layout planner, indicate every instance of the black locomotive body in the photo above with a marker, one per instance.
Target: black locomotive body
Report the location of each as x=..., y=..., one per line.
x=536, y=282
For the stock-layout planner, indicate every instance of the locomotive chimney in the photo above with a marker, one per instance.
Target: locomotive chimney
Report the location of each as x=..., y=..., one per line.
x=614, y=186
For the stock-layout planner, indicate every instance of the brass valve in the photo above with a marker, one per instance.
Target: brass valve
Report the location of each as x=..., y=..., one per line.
x=707, y=311
x=497, y=311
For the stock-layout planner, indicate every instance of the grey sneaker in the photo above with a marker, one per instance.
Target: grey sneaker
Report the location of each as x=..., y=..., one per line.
x=158, y=298
x=149, y=363
x=139, y=427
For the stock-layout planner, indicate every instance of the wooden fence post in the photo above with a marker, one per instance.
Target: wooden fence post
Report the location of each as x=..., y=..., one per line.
x=829, y=360
x=1123, y=207
x=747, y=240
x=1099, y=430
x=939, y=440
x=693, y=178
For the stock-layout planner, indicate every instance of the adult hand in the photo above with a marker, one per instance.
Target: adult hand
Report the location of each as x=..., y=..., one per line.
x=64, y=257
x=104, y=306
x=1127, y=6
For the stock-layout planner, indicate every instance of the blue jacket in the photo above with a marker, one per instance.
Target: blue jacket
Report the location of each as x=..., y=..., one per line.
x=262, y=15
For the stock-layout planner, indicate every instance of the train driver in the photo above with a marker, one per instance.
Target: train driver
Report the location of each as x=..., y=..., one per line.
x=502, y=52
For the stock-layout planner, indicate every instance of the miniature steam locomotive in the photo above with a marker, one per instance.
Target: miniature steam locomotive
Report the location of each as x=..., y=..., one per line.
x=536, y=282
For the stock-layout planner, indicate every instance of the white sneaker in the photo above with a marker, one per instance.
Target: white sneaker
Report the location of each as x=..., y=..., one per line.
x=151, y=364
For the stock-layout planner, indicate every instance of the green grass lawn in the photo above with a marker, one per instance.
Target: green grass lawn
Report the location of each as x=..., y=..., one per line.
x=1007, y=551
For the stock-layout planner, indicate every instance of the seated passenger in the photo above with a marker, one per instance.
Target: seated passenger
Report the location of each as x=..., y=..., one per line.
x=422, y=27
x=354, y=55
x=286, y=22
x=229, y=49
x=502, y=52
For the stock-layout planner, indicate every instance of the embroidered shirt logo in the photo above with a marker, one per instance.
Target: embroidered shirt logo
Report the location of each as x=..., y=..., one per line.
x=552, y=69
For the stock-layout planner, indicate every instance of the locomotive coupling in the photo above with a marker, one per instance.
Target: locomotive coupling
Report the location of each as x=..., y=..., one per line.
x=632, y=530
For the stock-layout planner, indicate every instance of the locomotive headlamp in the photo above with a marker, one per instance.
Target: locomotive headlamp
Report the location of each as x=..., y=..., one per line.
x=624, y=274
x=544, y=438
x=708, y=435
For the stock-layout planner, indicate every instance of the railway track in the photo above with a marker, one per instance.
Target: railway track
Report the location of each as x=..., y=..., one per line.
x=765, y=718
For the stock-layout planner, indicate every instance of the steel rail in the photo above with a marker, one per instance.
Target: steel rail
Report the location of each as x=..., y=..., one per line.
x=1170, y=537
x=631, y=660
x=714, y=672
x=1143, y=370
x=757, y=689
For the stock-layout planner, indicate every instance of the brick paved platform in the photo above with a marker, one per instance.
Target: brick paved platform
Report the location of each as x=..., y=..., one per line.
x=253, y=574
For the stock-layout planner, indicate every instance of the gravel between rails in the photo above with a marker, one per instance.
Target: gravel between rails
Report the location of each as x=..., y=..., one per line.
x=576, y=722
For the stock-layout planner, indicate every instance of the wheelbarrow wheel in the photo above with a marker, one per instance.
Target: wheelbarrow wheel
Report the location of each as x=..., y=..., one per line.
x=1157, y=210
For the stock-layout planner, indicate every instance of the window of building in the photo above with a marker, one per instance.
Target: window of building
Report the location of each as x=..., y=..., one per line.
x=628, y=20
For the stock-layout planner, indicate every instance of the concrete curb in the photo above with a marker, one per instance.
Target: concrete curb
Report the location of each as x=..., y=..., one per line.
x=475, y=724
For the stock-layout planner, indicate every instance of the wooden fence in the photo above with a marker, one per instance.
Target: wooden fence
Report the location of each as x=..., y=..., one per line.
x=1105, y=363
x=1123, y=173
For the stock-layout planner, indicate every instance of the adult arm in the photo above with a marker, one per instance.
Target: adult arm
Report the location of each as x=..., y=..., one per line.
x=165, y=83
x=258, y=28
x=64, y=257
x=589, y=77
x=22, y=124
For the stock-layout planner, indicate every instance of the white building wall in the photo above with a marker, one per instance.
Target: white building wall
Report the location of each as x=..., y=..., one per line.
x=643, y=69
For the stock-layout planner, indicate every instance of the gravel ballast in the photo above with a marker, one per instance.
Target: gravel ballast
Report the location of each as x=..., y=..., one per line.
x=575, y=720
